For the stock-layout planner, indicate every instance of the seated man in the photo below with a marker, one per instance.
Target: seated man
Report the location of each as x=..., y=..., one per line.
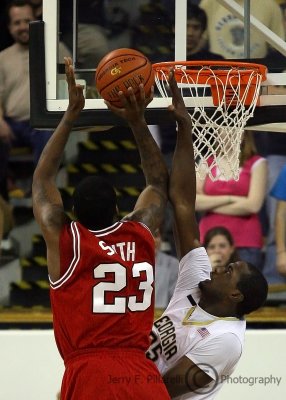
x=15, y=129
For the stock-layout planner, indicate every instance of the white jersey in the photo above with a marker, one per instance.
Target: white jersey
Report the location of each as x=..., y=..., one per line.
x=184, y=329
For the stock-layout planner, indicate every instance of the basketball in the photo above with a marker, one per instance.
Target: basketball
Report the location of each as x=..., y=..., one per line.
x=121, y=69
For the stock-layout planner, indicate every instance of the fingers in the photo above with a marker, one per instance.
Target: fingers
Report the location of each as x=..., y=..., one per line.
x=131, y=96
x=69, y=70
x=173, y=85
x=123, y=99
x=131, y=101
x=111, y=107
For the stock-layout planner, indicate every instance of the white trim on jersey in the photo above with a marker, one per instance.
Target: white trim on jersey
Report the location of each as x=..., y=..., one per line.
x=116, y=226
x=145, y=226
x=109, y=229
x=76, y=256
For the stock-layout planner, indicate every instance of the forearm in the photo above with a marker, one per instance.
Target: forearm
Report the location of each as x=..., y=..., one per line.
x=183, y=165
x=210, y=203
x=152, y=161
x=240, y=205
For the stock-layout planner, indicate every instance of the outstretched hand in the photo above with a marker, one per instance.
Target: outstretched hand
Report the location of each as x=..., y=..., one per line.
x=76, y=97
x=133, y=107
x=177, y=107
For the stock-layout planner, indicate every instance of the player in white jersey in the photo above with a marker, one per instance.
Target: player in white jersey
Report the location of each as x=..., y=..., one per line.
x=198, y=341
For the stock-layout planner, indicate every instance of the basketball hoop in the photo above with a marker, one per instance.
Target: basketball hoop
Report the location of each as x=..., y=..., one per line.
x=235, y=90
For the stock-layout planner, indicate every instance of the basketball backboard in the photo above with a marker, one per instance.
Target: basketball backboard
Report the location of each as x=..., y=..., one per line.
x=91, y=28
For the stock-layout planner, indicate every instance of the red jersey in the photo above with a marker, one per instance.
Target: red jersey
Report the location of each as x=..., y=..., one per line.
x=105, y=296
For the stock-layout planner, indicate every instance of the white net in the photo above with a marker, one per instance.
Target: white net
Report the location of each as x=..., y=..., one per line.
x=217, y=137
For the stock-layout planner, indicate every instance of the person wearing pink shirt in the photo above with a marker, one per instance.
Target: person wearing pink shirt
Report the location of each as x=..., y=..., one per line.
x=236, y=204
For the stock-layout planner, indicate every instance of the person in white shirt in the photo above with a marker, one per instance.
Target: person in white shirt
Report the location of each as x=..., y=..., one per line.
x=225, y=31
x=198, y=340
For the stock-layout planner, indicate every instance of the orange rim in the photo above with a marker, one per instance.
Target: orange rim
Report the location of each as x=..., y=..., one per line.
x=221, y=69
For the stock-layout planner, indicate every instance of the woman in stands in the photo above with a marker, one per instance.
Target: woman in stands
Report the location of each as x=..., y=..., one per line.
x=236, y=204
x=220, y=247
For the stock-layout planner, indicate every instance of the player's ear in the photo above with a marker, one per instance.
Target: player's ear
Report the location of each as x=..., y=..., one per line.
x=236, y=296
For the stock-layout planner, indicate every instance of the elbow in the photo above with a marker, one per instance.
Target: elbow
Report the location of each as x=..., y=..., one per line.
x=198, y=206
x=254, y=208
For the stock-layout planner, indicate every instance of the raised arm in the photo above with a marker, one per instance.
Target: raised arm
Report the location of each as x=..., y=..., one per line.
x=182, y=189
x=151, y=204
x=47, y=202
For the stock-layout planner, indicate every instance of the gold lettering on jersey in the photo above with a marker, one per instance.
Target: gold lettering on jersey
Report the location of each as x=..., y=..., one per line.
x=166, y=330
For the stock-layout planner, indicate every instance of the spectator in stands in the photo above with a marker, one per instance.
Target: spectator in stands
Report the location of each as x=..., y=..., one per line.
x=225, y=31
x=272, y=146
x=235, y=204
x=15, y=129
x=197, y=23
x=166, y=274
x=220, y=247
x=279, y=193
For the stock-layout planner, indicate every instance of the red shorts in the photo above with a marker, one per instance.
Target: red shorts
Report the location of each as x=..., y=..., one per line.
x=112, y=374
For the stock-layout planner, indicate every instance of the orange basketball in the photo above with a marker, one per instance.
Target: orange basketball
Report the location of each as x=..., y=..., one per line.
x=119, y=70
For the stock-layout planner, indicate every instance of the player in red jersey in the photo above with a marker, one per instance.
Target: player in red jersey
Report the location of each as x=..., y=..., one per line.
x=101, y=270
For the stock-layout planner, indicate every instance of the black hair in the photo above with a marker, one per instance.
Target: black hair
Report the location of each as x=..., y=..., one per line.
x=254, y=288
x=195, y=12
x=94, y=202
x=17, y=3
x=221, y=230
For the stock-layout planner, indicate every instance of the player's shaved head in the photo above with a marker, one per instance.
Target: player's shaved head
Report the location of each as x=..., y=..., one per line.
x=94, y=202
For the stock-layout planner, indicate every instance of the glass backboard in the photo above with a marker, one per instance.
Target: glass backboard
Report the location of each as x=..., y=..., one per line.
x=89, y=29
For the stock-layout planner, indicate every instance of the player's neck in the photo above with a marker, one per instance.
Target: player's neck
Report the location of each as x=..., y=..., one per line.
x=22, y=46
x=217, y=309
